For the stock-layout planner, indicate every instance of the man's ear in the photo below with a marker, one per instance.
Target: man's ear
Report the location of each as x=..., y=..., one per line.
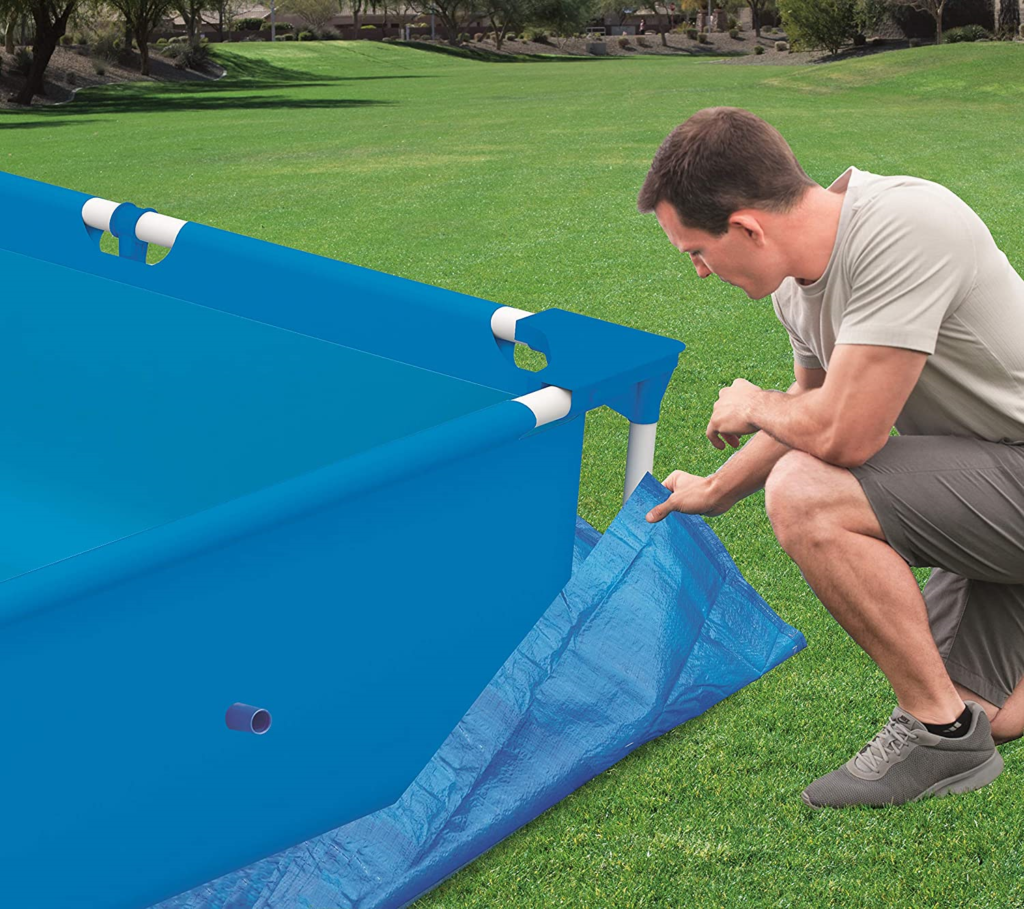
x=749, y=222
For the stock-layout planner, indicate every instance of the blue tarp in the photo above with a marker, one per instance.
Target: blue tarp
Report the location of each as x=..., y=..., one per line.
x=655, y=626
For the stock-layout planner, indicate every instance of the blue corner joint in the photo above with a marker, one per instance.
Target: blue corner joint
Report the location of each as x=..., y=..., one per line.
x=122, y=226
x=595, y=360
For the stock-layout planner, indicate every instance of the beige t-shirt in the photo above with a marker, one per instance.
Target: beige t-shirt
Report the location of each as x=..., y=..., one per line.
x=914, y=267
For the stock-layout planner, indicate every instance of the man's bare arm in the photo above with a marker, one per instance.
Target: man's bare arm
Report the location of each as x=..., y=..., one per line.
x=844, y=422
x=742, y=475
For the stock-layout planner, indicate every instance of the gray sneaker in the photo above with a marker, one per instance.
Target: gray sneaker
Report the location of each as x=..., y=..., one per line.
x=905, y=762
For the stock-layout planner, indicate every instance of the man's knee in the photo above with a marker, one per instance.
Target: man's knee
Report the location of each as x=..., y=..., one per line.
x=793, y=496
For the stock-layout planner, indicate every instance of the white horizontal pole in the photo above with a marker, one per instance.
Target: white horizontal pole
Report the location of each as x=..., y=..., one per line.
x=150, y=228
x=639, y=455
x=549, y=404
x=96, y=213
x=159, y=229
x=503, y=322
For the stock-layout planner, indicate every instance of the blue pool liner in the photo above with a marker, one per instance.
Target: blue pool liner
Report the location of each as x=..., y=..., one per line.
x=655, y=626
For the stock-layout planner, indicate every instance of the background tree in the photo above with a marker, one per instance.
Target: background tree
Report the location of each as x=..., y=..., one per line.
x=564, y=17
x=450, y=13
x=191, y=12
x=505, y=17
x=142, y=17
x=315, y=13
x=1008, y=20
x=934, y=8
x=757, y=10
x=662, y=18
x=827, y=24
x=51, y=22
x=10, y=10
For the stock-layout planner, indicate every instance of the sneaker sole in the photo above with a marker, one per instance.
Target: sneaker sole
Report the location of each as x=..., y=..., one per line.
x=968, y=781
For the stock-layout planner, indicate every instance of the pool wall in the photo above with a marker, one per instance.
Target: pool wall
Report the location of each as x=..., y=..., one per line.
x=363, y=604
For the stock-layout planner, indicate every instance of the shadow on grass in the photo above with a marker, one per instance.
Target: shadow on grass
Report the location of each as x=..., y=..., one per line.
x=180, y=98
x=489, y=56
x=6, y=116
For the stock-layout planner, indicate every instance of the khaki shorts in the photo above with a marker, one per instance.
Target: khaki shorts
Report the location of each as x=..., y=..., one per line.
x=957, y=505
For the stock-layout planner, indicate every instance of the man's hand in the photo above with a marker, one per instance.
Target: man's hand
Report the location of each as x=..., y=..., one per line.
x=730, y=418
x=690, y=495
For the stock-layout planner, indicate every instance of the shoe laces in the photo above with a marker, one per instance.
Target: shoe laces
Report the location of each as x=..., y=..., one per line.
x=889, y=743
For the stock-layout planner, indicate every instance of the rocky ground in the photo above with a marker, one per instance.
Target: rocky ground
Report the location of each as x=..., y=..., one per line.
x=72, y=68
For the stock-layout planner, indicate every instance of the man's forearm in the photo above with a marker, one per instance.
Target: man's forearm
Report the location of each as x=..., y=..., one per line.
x=747, y=470
x=793, y=421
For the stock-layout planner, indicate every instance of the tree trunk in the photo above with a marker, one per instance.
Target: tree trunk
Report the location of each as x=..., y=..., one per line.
x=142, y=39
x=1008, y=20
x=9, y=35
x=938, y=21
x=755, y=18
x=664, y=29
x=48, y=34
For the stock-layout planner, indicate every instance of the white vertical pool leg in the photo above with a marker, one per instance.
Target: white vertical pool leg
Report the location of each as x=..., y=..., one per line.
x=639, y=455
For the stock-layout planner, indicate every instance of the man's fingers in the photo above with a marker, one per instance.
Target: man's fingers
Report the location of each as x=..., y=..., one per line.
x=714, y=439
x=659, y=512
x=670, y=481
x=734, y=441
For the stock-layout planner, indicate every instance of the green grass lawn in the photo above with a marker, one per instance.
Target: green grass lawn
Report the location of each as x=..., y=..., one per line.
x=517, y=183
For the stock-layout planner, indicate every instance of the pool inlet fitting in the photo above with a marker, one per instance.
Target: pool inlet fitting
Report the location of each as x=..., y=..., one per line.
x=246, y=718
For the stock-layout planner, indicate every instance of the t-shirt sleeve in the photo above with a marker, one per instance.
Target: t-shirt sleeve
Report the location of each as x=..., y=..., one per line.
x=909, y=263
x=802, y=354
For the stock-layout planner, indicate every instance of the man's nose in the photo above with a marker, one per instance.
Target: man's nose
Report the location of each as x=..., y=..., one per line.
x=702, y=270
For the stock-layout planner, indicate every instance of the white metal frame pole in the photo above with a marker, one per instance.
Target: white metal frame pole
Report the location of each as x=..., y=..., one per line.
x=639, y=455
x=640, y=448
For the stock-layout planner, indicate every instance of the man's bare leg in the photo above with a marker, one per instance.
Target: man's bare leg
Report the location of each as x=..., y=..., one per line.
x=1007, y=721
x=822, y=519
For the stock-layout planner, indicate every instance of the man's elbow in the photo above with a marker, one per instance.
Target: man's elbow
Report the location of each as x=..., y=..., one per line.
x=844, y=450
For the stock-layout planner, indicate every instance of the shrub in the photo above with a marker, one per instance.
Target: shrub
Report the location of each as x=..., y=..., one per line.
x=781, y=46
x=734, y=23
x=643, y=42
x=281, y=27
x=703, y=38
x=250, y=24
x=22, y=61
x=915, y=42
x=99, y=66
x=758, y=49
x=161, y=42
x=966, y=33
x=107, y=44
x=478, y=37
x=65, y=40
x=734, y=33
x=859, y=40
x=691, y=33
x=623, y=41
x=192, y=56
x=285, y=37
x=826, y=24
x=329, y=34
x=361, y=27
x=307, y=36
x=538, y=35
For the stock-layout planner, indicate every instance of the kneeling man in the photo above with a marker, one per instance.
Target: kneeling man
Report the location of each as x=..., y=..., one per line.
x=901, y=311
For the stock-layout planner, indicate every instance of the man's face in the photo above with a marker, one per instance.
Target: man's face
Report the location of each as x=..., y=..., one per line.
x=736, y=256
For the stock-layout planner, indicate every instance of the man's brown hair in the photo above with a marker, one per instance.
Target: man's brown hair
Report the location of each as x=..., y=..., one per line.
x=721, y=160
